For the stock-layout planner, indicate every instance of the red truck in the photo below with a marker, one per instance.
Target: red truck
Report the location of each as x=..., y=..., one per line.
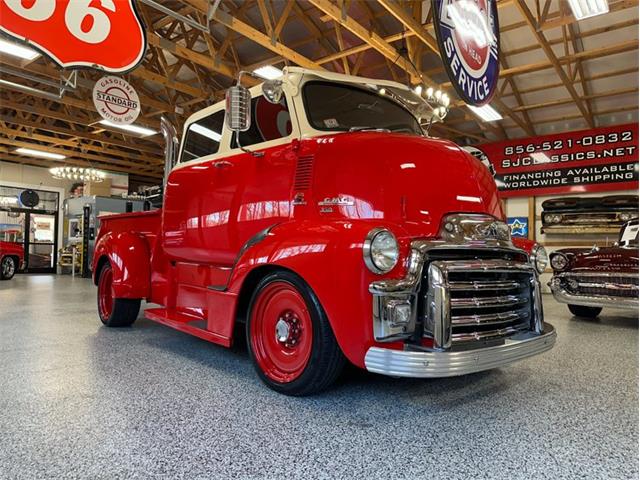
x=314, y=213
x=11, y=253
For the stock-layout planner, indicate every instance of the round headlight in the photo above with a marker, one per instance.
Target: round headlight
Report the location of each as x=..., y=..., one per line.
x=626, y=216
x=559, y=261
x=380, y=250
x=553, y=218
x=539, y=258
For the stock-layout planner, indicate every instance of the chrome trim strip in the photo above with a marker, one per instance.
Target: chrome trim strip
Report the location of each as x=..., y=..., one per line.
x=488, y=302
x=498, y=285
x=489, y=318
x=609, y=286
x=489, y=334
x=563, y=296
x=433, y=364
x=597, y=274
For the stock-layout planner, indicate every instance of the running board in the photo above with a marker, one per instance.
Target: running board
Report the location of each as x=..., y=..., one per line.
x=184, y=323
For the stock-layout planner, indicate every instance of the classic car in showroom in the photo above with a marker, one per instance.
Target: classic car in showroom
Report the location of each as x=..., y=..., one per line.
x=11, y=253
x=588, y=279
x=588, y=214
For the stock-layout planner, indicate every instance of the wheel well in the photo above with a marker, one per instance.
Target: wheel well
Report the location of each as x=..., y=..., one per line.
x=248, y=287
x=103, y=259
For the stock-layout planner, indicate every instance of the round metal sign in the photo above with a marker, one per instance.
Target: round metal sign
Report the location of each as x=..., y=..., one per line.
x=469, y=40
x=116, y=100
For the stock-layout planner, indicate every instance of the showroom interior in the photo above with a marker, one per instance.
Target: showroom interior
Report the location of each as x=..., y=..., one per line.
x=319, y=239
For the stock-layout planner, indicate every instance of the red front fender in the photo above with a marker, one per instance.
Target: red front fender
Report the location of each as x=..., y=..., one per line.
x=329, y=257
x=130, y=257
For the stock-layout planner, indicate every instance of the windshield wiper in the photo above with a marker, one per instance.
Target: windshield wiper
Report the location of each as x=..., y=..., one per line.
x=369, y=129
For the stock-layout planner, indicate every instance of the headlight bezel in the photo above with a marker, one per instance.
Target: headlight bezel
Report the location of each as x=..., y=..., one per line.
x=369, y=247
x=558, y=255
x=535, y=257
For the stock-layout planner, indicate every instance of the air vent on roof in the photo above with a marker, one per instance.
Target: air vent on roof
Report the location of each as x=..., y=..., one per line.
x=304, y=173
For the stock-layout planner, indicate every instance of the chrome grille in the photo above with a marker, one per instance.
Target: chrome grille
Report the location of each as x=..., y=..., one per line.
x=610, y=285
x=478, y=300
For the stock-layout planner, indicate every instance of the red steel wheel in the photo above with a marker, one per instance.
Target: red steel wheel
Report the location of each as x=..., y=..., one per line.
x=290, y=339
x=105, y=293
x=114, y=312
x=281, y=332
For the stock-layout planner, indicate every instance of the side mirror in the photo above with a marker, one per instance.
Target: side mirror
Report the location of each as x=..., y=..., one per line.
x=272, y=90
x=238, y=108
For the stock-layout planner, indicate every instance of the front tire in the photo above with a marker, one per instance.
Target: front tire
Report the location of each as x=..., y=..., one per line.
x=585, y=312
x=8, y=268
x=114, y=312
x=290, y=340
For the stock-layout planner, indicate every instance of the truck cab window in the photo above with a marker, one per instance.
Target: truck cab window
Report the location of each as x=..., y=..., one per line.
x=339, y=107
x=203, y=137
x=268, y=122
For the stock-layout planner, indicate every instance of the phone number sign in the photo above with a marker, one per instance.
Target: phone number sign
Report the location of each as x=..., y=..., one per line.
x=102, y=34
x=594, y=160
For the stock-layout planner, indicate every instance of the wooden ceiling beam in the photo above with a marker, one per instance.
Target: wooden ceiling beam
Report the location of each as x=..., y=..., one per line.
x=70, y=154
x=84, y=147
x=258, y=37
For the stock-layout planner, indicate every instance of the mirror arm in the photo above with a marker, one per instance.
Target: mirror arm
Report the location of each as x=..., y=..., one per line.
x=246, y=150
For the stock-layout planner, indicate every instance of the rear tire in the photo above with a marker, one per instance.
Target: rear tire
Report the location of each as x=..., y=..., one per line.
x=114, y=312
x=585, y=312
x=8, y=268
x=289, y=338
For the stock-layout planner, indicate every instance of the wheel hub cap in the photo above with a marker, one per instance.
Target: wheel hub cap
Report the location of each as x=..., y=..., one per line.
x=288, y=330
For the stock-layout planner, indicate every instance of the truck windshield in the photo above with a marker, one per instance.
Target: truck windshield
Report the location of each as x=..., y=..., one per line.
x=335, y=106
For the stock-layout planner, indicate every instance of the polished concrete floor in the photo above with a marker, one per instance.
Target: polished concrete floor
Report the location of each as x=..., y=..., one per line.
x=78, y=400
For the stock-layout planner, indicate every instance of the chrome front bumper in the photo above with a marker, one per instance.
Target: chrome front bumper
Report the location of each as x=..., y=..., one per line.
x=562, y=295
x=434, y=364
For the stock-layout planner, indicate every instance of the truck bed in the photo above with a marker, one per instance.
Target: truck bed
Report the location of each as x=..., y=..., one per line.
x=146, y=224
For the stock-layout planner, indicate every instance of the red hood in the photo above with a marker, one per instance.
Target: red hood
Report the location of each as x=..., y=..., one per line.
x=411, y=180
x=606, y=259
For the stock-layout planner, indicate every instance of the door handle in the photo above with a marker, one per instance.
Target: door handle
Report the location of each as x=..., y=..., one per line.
x=222, y=164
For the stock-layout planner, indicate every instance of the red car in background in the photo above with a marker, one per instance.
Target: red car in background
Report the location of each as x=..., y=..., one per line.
x=588, y=279
x=11, y=253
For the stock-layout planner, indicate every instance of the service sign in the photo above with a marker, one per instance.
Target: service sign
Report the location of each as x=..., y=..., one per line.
x=468, y=36
x=116, y=100
x=596, y=160
x=103, y=34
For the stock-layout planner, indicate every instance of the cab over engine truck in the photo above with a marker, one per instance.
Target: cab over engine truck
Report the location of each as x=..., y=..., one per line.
x=314, y=212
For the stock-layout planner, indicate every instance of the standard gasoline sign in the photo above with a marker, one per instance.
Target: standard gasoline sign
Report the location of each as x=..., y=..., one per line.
x=116, y=100
x=469, y=40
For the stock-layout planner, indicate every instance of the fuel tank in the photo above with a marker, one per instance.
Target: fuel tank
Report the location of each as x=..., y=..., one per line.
x=405, y=179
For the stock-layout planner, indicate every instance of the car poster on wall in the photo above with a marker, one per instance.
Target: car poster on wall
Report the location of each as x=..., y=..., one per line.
x=595, y=160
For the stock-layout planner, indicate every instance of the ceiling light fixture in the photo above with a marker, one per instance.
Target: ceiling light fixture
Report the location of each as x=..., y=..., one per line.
x=78, y=173
x=145, y=132
x=486, y=113
x=268, y=72
x=588, y=8
x=17, y=50
x=39, y=153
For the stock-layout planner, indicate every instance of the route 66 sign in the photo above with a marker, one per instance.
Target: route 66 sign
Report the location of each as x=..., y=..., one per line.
x=103, y=34
x=469, y=40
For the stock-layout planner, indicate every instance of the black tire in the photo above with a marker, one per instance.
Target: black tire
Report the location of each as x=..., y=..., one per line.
x=123, y=311
x=326, y=360
x=8, y=268
x=585, y=312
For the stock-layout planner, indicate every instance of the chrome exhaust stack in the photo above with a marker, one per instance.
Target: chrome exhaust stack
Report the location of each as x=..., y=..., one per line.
x=171, y=146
